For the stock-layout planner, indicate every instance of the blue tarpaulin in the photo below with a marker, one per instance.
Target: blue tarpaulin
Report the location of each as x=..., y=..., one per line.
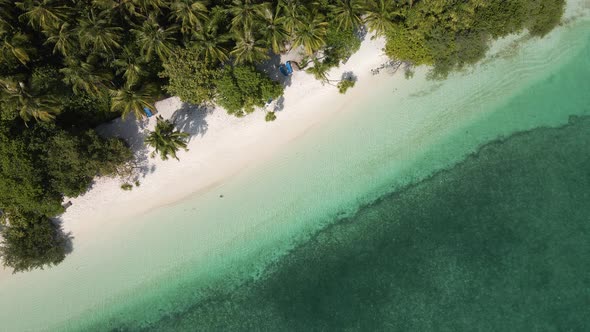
x=286, y=69
x=289, y=68
x=148, y=112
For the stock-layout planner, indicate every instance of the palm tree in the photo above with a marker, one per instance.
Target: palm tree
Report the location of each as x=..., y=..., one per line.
x=320, y=71
x=379, y=16
x=42, y=14
x=192, y=15
x=16, y=46
x=96, y=31
x=166, y=140
x=126, y=8
x=245, y=14
x=348, y=13
x=131, y=8
x=249, y=49
x=152, y=38
x=311, y=33
x=149, y=6
x=209, y=42
x=293, y=13
x=41, y=108
x=6, y=16
x=63, y=40
x=27, y=101
x=130, y=65
x=84, y=76
x=273, y=29
x=133, y=99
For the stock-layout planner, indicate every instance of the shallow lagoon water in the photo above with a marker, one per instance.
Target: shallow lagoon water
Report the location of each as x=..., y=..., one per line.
x=497, y=242
x=330, y=226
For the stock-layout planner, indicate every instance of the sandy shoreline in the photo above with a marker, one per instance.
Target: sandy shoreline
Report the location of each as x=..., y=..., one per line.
x=123, y=255
x=221, y=145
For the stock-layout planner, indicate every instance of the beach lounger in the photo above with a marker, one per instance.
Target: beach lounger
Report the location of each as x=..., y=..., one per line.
x=289, y=68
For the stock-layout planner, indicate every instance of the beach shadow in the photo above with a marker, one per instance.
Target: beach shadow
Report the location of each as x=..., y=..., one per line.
x=66, y=238
x=350, y=76
x=191, y=119
x=270, y=67
x=132, y=132
x=279, y=105
x=361, y=32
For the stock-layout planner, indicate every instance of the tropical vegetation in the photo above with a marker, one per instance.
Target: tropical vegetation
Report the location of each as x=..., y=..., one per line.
x=166, y=139
x=67, y=66
x=270, y=116
x=344, y=85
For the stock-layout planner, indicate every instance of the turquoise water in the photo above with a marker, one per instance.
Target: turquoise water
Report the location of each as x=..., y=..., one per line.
x=497, y=241
x=355, y=225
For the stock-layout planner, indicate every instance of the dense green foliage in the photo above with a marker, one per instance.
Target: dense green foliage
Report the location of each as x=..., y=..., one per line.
x=32, y=241
x=43, y=163
x=242, y=88
x=270, y=116
x=114, y=50
x=451, y=34
x=237, y=88
x=38, y=166
x=344, y=85
x=166, y=140
x=190, y=78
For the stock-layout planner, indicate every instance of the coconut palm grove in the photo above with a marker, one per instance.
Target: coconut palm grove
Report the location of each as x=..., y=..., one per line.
x=67, y=66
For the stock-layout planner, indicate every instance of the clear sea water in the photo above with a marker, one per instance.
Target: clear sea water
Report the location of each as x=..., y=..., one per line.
x=455, y=205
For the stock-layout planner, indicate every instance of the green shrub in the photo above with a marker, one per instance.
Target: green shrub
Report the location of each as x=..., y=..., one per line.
x=32, y=241
x=344, y=85
x=454, y=34
x=242, y=88
x=127, y=186
x=190, y=77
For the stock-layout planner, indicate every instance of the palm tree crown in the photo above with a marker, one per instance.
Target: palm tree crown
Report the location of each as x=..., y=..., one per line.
x=27, y=101
x=311, y=34
x=166, y=140
x=84, y=76
x=132, y=99
x=245, y=13
x=95, y=31
x=348, y=13
x=16, y=46
x=42, y=14
x=130, y=65
x=153, y=38
x=249, y=49
x=273, y=29
x=63, y=40
x=379, y=16
x=192, y=15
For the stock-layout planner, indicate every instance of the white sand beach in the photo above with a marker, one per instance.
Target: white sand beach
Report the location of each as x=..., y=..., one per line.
x=325, y=151
x=221, y=145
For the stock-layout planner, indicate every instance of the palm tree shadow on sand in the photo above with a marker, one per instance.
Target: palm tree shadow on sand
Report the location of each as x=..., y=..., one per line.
x=270, y=67
x=191, y=119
